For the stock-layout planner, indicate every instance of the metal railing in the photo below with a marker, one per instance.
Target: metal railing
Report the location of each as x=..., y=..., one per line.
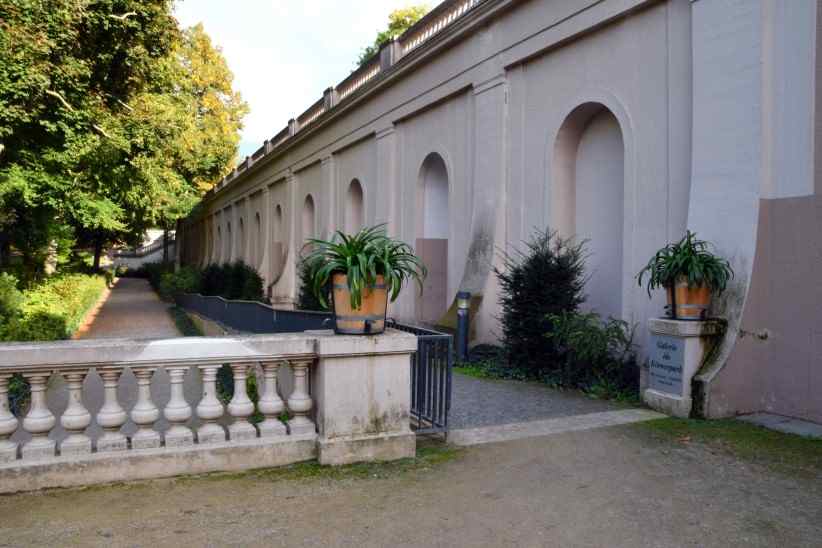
x=431, y=378
x=431, y=366
x=142, y=251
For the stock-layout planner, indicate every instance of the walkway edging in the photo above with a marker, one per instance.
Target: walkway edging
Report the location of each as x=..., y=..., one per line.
x=574, y=423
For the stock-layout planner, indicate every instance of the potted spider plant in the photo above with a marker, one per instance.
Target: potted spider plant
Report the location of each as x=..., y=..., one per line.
x=690, y=274
x=364, y=270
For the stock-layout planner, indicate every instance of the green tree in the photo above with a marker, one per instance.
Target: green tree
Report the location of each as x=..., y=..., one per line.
x=190, y=126
x=399, y=21
x=69, y=70
x=112, y=120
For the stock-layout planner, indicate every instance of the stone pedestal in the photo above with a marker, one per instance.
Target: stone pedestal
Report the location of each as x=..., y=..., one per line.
x=677, y=350
x=363, y=402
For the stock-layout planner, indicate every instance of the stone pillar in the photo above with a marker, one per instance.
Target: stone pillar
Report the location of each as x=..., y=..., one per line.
x=328, y=219
x=390, y=53
x=144, y=413
x=330, y=98
x=39, y=421
x=362, y=396
x=387, y=195
x=76, y=417
x=210, y=409
x=8, y=423
x=111, y=416
x=177, y=411
x=299, y=403
x=270, y=404
x=677, y=350
x=241, y=407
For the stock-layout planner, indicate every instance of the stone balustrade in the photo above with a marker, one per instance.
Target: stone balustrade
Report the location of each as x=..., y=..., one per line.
x=62, y=438
x=439, y=19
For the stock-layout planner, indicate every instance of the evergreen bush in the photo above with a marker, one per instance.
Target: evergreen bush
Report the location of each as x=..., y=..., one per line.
x=54, y=309
x=174, y=284
x=595, y=355
x=545, y=279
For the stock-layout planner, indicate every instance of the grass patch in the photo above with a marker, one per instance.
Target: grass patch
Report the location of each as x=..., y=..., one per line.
x=782, y=452
x=429, y=455
x=185, y=325
x=474, y=370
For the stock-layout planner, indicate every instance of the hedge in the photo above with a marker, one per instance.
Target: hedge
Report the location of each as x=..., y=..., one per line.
x=54, y=309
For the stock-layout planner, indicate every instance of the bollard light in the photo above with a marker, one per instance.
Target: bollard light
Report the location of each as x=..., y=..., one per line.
x=463, y=305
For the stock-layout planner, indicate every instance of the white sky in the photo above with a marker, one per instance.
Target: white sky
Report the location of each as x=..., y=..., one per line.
x=284, y=53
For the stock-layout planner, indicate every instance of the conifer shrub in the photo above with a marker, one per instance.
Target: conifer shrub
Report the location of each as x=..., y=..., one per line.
x=544, y=279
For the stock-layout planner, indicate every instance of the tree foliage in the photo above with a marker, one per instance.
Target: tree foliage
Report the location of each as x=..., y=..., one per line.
x=399, y=21
x=546, y=278
x=112, y=120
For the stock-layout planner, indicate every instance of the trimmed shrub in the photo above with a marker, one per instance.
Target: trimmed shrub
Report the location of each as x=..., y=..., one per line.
x=213, y=280
x=595, y=355
x=54, y=309
x=545, y=279
x=242, y=283
x=185, y=280
x=154, y=272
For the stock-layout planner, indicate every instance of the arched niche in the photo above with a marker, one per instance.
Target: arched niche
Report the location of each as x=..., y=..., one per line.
x=588, y=199
x=277, y=245
x=354, y=211
x=309, y=219
x=229, y=243
x=433, y=232
x=243, y=245
x=258, y=241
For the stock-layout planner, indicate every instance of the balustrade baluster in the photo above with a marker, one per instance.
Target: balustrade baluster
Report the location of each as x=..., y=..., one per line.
x=111, y=416
x=241, y=407
x=76, y=417
x=271, y=405
x=38, y=421
x=210, y=409
x=144, y=413
x=299, y=403
x=8, y=423
x=178, y=411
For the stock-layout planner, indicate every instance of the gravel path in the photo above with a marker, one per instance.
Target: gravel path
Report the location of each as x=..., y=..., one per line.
x=484, y=402
x=612, y=487
x=131, y=310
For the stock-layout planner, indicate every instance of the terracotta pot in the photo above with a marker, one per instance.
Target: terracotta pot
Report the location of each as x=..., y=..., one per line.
x=369, y=318
x=688, y=303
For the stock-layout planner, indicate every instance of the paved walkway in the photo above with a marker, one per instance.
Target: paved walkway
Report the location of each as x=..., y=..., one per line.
x=486, y=402
x=615, y=487
x=131, y=310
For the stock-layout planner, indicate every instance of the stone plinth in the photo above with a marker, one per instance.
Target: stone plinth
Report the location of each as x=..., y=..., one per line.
x=677, y=350
x=361, y=389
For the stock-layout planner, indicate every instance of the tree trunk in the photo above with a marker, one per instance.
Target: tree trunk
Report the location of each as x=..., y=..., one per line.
x=5, y=254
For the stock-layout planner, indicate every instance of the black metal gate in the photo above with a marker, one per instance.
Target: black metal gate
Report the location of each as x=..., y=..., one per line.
x=431, y=375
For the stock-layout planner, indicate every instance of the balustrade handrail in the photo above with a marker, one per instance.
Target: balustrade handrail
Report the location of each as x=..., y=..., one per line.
x=440, y=18
x=22, y=357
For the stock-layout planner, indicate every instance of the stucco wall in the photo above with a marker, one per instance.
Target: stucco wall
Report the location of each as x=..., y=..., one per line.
x=712, y=103
x=771, y=356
